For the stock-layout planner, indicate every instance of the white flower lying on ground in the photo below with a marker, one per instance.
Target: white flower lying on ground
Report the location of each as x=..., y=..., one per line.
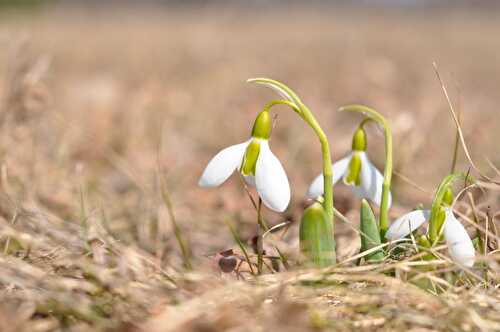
x=459, y=244
x=357, y=171
x=255, y=161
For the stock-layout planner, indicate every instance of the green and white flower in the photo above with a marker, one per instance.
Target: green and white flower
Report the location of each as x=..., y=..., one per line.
x=457, y=239
x=255, y=161
x=357, y=171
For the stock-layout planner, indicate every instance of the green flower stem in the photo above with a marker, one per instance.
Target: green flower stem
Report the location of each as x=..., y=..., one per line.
x=386, y=186
x=303, y=111
x=260, y=242
x=282, y=102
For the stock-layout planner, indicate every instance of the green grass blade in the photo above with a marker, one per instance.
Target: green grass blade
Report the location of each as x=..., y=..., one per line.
x=241, y=245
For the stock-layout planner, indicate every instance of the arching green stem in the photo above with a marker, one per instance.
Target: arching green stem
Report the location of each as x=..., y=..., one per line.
x=386, y=186
x=365, y=121
x=282, y=102
x=298, y=106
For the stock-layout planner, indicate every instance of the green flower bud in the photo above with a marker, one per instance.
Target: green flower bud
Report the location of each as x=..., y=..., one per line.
x=250, y=158
x=262, y=125
x=354, y=171
x=359, y=140
x=316, y=236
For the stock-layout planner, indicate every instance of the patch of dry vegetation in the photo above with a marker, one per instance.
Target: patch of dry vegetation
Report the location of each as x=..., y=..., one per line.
x=102, y=115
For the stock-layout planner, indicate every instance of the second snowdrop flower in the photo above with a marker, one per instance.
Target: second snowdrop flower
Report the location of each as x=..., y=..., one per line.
x=457, y=239
x=256, y=163
x=357, y=171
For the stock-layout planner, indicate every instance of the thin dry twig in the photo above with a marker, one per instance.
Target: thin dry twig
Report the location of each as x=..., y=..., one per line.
x=459, y=129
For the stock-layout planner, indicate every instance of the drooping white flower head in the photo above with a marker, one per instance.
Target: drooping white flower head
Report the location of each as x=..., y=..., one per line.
x=459, y=244
x=357, y=171
x=259, y=166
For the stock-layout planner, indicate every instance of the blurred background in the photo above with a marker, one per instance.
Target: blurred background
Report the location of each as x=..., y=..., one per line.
x=101, y=100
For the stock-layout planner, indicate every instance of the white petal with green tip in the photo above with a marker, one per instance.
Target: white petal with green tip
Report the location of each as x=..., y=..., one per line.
x=339, y=168
x=220, y=168
x=271, y=180
x=371, y=182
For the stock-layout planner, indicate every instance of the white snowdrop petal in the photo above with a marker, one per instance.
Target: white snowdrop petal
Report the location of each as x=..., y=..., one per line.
x=220, y=168
x=407, y=223
x=362, y=191
x=316, y=188
x=338, y=169
x=371, y=182
x=271, y=180
x=459, y=244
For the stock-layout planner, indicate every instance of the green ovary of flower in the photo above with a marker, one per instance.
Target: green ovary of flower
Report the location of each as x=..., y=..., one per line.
x=262, y=125
x=354, y=171
x=359, y=140
x=250, y=158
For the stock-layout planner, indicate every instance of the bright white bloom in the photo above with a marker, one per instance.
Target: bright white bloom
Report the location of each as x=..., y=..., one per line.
x=357, y=171
x=255, y=161
x=459, y=244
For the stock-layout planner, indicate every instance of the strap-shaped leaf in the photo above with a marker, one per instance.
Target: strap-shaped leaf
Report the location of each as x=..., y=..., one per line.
x=370, y=235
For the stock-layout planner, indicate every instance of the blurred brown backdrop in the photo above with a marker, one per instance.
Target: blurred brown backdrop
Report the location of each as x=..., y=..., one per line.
x=102, y=100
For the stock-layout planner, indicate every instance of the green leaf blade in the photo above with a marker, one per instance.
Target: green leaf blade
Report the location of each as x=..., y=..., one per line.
x=317, y=243
x=370, y=234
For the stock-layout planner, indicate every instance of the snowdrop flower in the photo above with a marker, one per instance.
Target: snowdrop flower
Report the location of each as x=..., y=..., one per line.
x=255, y=161
x=459, y=244
x=357, y=171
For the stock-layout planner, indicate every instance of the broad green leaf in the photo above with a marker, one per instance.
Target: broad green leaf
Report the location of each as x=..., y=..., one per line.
x=316, y=236
x=370, y=235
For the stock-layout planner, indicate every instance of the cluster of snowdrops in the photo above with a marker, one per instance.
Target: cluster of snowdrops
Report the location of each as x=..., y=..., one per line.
x=261, y=169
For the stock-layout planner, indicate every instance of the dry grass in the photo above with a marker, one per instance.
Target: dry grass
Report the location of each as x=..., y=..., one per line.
x=104, y=116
